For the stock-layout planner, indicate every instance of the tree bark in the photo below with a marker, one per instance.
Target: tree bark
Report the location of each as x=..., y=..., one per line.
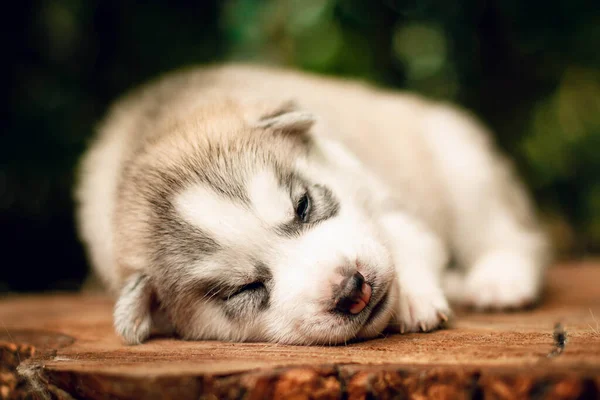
x=63, y=346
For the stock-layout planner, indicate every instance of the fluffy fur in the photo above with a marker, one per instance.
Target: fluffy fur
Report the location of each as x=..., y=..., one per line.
x=188, y=205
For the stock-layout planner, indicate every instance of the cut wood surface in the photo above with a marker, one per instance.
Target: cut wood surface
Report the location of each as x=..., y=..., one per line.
x=64, y=346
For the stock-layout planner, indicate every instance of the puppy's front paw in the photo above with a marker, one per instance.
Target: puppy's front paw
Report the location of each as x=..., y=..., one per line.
x=421, y=311
x=132, y=316
x=502, y=281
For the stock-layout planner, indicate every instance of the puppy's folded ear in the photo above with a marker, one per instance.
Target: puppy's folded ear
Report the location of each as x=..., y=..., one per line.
x=288, y=119
x=133, y=310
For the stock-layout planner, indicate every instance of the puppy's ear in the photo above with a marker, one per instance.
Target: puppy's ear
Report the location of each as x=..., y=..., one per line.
x=133, y=310
x=288, y=119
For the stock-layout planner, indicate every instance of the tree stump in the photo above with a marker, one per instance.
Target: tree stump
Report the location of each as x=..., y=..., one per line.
x=63, y=346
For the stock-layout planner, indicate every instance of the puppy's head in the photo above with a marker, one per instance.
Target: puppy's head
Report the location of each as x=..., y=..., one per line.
x=261, y=235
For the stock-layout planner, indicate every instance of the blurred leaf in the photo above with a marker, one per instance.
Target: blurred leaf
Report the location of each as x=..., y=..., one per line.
x=421, y=47
x=529, y=70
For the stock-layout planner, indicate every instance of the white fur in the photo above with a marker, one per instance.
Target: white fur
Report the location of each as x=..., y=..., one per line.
x=227, y=221
x=96, y=195
x=132, y=319
x=416, y=181
x=502, y=279
x=504, y=257
x=271, y=204
x=419, y=256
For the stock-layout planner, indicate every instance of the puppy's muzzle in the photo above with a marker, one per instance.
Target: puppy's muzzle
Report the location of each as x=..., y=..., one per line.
x=354, y=294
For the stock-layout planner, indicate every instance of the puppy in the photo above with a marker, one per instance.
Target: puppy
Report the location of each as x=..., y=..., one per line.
x=246, y=203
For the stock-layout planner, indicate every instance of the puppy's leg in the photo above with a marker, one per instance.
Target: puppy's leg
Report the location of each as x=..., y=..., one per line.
x=419, y=256
x=132, y=313
x=494, y=233
x=506, y=252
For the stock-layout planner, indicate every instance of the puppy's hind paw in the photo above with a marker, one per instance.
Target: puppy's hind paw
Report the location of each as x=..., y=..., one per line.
x=502, y=281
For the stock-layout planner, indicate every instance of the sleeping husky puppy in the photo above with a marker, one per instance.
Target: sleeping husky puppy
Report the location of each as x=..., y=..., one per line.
x=245, y=203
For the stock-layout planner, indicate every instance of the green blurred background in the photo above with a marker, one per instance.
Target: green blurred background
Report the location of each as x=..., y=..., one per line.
x=530, y=70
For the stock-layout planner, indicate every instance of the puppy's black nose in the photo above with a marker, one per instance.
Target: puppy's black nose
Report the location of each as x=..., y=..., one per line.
x=354, y=294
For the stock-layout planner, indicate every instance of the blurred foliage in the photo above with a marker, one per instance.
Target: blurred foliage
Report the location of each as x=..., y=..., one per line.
x=530, y=70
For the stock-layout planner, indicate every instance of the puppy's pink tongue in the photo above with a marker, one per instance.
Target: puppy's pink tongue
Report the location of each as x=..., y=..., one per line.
x=362, y=302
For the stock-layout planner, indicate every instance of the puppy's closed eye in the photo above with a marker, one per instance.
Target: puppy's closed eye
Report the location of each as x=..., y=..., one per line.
x=254, y=288
x=246, y=301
